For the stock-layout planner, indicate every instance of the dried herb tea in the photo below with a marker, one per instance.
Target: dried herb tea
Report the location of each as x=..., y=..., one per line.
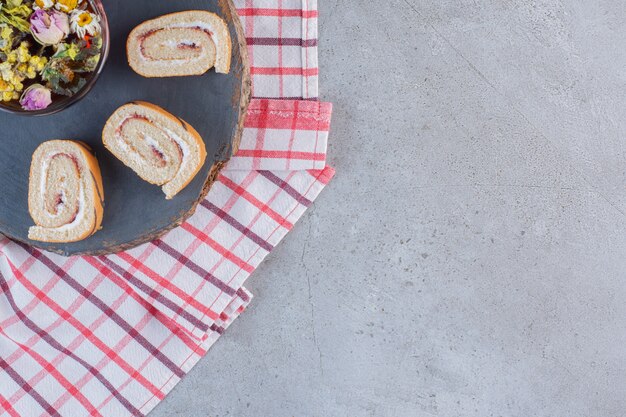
x=48, y=49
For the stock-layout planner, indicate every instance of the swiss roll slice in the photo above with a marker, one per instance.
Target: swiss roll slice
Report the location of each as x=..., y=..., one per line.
x=180, y=44
x=161, y=148
x=65, y=194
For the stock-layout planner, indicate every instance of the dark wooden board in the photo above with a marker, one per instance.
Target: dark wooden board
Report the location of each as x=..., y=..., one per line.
x=135, y=212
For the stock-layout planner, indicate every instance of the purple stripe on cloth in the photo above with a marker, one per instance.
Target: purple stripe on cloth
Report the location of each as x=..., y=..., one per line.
x=305, y=43
x=243, y=295
x=154, y=294
x=240, y=227
x=101, y=305
x=23, y=384
x=192, y=266
x=217, y=329
x=56, y=345
x=287, y=188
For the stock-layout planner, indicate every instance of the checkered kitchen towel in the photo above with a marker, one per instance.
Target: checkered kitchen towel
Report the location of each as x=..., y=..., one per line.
x=112, y=335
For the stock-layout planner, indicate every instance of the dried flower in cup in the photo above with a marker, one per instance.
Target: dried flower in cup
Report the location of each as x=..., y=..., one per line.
x=48, y=48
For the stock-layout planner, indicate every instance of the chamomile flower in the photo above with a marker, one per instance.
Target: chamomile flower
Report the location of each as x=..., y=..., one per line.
x=43, y=4
x=5, y=86
x=84, y=23
x=67, y=5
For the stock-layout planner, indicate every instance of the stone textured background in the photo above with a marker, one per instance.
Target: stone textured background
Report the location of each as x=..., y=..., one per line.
x=469, y=259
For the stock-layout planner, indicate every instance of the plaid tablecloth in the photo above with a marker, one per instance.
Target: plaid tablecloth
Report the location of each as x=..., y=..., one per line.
x=112, y=335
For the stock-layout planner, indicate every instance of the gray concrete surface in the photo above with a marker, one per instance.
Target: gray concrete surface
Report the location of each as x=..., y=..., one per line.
x=469, y=259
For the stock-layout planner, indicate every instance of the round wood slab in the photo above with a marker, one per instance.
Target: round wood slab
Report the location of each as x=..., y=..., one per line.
x=135, y=211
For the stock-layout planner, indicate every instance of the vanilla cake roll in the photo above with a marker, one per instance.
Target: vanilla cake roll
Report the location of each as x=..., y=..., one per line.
x=179, y=44
x=65, y=193
x=161, y=148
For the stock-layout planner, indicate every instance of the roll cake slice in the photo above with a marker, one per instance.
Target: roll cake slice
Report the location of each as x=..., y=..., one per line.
x=180, y=44
x=161, y=148
x=65, y=193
